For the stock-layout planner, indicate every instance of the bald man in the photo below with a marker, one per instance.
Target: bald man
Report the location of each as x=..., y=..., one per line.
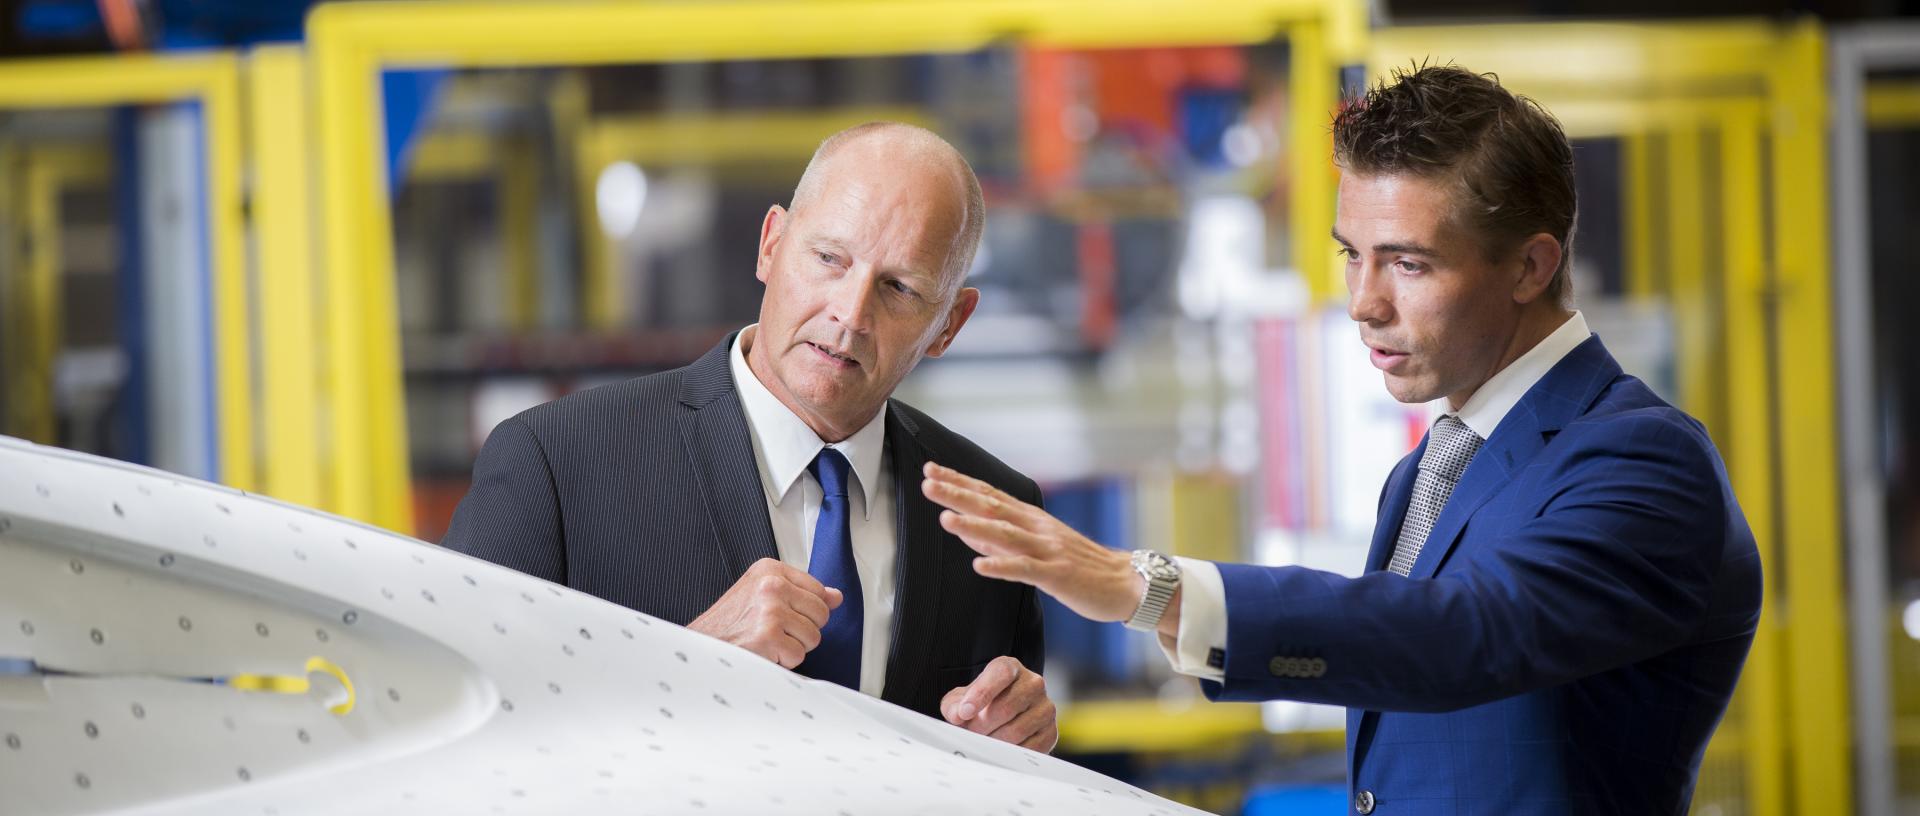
x=767, y=495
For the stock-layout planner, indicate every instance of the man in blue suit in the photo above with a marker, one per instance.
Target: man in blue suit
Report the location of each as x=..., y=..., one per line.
x=1561, y=588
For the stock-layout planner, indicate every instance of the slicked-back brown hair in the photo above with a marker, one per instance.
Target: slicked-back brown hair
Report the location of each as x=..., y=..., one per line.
x=1506, y=159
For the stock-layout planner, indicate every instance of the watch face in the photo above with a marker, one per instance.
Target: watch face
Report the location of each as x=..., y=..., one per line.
x=1157, y=567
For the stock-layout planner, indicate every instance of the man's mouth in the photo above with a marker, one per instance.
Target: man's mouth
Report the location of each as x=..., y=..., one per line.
x=834, y=357
x=1384, y=358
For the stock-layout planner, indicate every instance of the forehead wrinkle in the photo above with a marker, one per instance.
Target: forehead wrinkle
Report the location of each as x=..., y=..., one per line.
x=908, y=211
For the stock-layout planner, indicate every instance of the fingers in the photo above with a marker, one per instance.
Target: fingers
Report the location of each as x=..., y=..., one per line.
x=993, y=680
x=774, y=610
x=950, y=705
x=1016, y=568
x=810, y=607
x=1028, y=691
x=990, y=536
x=799, y=627
x=946, y=475
x=1028, y=726
x=773, y=567
x=779, y=584
x=981, y=500
x=786, y=651
x=1008, y=703
x=1045, y=739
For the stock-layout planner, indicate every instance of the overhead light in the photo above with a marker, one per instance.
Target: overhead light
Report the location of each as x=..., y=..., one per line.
x=619, y=195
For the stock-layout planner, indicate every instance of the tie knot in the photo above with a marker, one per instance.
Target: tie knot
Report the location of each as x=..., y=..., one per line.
x=1450, y=447
x=830, y=468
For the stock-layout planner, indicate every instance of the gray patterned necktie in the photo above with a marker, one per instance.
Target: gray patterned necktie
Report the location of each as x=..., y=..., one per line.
x=1450, y=447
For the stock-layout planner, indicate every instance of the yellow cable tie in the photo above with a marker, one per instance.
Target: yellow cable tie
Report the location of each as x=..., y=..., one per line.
x=297, y=684
x=274, y=683
x=321, y=664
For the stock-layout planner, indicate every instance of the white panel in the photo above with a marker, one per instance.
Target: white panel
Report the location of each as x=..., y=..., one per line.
x=479, y=689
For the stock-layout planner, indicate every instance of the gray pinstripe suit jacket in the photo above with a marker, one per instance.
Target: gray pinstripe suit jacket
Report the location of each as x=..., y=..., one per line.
x=645, y=493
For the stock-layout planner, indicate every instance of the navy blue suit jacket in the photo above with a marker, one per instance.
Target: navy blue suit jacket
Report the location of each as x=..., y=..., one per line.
x=1570, y=634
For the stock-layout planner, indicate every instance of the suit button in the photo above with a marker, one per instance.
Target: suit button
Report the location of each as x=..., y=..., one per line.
x=1363, y=802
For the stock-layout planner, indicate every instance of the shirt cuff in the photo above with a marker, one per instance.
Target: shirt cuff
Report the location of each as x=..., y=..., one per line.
x=1201, y=649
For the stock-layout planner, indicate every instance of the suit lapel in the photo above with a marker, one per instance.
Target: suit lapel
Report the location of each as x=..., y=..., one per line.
x=1359, y=733
x=721, y=448
x=1393, y=509
x=918, y=544
x=1567, y=390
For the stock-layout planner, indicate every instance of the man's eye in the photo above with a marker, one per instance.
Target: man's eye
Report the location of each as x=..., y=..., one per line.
x=900, y=287
x=1409, y=267
x=828, y=258
x=1346, y=254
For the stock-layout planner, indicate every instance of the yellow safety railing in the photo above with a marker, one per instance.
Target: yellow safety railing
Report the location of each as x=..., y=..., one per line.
x=280, y=151
x=213, y=80
x=350, y=42
x=1750, y=299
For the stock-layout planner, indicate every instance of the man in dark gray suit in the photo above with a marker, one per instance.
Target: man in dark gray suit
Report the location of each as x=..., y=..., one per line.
x=767, y=495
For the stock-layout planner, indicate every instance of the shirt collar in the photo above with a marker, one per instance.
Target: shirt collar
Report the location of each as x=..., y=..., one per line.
x=1491, y=401
x=786, y=446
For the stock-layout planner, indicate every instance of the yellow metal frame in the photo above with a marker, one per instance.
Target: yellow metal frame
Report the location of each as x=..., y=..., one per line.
x=1892, y=104
x=280, y=151
x=351, y=42
x=213, y=79
x=33, y=321
x=1662, y=88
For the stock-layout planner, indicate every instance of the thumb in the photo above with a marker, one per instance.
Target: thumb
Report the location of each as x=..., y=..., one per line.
x=987, y=686
x=949, y=705
x=835, y=598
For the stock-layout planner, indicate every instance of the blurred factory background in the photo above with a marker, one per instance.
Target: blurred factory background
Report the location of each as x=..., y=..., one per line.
x=317, y=250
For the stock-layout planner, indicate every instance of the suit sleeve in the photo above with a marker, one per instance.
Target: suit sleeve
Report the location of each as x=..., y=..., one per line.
x=511, y=514
x=1030, y=635
x=1618, y=566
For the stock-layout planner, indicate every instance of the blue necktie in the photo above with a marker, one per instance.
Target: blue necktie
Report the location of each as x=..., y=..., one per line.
x=837, y=659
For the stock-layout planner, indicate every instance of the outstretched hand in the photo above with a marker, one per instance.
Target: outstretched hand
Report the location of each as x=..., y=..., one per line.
x=1020, y=542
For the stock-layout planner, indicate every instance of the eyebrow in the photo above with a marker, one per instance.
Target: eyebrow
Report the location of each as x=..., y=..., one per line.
x=922, y=281
x=1409, y=249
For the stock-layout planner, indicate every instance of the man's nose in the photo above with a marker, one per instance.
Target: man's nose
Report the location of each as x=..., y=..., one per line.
x=1369, y=299
x=853, y=300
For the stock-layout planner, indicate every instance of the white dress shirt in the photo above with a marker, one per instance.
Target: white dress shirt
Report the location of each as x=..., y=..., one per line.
x=1203, y=596
x=783, y=447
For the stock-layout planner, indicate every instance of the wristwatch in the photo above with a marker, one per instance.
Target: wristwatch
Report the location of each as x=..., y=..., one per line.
x=1163, y=577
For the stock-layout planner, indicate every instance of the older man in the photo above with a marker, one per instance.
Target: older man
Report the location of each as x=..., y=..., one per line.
x=767, y=494
x=1561, y=588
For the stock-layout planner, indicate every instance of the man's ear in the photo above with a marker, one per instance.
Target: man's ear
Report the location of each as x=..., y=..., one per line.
x=964, y=302
x=1540, y=259
x=771, y=229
